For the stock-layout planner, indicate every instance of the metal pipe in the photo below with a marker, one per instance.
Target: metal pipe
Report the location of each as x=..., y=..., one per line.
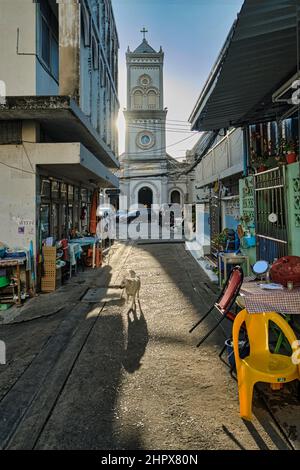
x=267, y=171
x=269, y=187
x=272, y=239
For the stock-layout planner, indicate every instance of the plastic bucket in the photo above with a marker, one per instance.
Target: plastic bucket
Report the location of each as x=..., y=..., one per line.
x=243, y=350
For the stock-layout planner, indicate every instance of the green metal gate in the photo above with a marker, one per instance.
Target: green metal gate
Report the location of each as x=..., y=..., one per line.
x=271, y=214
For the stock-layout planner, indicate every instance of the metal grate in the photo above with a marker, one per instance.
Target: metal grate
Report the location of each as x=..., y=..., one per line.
x=10, y=132
x=271, y=214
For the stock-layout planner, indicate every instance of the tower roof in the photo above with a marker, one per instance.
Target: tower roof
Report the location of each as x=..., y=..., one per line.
x=144, y=48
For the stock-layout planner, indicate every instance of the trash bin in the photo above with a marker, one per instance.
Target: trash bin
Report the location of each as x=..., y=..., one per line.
x=244, y=351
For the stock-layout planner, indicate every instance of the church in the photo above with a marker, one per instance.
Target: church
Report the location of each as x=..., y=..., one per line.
x=149, y=176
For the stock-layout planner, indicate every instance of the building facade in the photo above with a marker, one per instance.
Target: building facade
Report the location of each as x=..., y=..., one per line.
x=217, y=162
x=59, y=70
x=260, y=151
x=149, y=176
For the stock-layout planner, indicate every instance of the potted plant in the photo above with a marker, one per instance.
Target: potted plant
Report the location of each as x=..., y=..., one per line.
x=258, y=161
x=286, y=152
x=291, y=156
x=220, y=240
x=280, y=156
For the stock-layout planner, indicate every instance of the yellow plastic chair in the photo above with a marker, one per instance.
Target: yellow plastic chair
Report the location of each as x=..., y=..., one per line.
x=261, y=365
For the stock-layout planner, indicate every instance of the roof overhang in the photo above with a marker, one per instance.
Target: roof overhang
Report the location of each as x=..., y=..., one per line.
x=259, y=56
x=71, y=161
x=62, y=118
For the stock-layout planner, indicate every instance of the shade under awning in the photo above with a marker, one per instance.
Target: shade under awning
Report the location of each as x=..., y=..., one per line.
x=259, y=55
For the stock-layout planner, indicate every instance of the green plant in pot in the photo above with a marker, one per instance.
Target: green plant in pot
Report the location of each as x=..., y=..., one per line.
x=286, y=152
x=291, y=155
x=258, y=161
x=220, y=240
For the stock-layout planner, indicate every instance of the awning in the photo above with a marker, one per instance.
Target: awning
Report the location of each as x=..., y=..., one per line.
x=259, y=55
x=62, y=118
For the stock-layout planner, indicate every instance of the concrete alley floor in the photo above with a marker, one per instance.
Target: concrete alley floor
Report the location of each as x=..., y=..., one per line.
x=86, y=375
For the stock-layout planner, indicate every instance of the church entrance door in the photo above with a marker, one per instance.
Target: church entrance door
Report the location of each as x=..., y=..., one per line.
x=145, y=197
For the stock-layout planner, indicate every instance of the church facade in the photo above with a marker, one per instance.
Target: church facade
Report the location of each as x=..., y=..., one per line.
x=149, y=176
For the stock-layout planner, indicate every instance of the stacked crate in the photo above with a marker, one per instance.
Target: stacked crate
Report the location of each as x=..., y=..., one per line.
x=49, y=278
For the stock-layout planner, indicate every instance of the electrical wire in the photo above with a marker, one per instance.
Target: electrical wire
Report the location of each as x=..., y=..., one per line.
x=141, y=130
x=160, y=149
x=160, y=122
x=158, y=130
x=208, y=145
x=33, y=172
x=171, y=123
x=158, y=175
x=28, y=158
x=16, y=168
x=177, y=120
x=156, y=127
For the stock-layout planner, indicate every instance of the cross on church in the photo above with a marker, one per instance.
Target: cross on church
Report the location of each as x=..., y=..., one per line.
x=144, y=31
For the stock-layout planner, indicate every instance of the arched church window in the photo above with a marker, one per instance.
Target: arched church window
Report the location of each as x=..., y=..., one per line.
x=138, y=99
x=152, y=99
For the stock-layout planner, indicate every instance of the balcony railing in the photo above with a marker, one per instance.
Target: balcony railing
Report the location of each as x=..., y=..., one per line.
x=223, y=160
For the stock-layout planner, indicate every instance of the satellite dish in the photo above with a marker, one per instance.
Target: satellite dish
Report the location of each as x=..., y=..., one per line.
x=260, y=267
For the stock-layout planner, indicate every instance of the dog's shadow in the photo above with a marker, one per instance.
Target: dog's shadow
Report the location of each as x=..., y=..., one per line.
x=137, y=339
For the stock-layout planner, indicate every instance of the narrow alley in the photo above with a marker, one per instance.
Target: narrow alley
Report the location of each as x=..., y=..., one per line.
x=86, y=375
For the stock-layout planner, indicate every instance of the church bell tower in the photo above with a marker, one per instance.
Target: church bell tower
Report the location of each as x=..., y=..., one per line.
x=144, y=162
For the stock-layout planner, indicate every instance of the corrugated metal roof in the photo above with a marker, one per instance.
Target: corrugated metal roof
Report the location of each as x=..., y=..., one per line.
x=259, y=55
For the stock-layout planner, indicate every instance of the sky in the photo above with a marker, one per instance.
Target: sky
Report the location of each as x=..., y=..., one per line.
x=191, y=33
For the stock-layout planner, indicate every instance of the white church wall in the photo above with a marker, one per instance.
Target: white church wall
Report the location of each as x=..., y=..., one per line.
x=152, y=71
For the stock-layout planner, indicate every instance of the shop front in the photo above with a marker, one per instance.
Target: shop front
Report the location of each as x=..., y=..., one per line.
x=48, y=204
x=64, y=209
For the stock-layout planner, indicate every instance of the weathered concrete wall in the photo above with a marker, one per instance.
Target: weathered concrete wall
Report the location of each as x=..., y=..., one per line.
x=18, y=195
x=18, y=71
x=85, y=79
x=30, y=131
x=18, y=202
x=19, y=174
x=69, y=48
